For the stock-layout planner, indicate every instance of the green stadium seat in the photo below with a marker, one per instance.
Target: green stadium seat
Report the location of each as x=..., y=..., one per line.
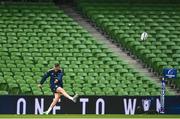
x=4, y=93
x=3, y=84
x=13, y=89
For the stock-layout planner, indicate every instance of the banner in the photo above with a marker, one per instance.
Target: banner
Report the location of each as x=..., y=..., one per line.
x=128, y=105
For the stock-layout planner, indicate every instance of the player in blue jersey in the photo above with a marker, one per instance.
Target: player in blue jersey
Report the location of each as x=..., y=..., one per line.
x=56, y=85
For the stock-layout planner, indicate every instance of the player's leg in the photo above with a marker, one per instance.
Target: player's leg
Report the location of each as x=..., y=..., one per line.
x=62, y=91
x=54, y=102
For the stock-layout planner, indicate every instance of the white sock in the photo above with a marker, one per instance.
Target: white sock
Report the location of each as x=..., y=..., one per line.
x=50, y=108
x=71, y=98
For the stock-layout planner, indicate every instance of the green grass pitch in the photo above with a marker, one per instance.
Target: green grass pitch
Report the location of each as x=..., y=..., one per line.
x=74, y=116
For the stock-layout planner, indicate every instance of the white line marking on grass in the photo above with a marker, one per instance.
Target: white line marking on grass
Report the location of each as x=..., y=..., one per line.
x=86, y=118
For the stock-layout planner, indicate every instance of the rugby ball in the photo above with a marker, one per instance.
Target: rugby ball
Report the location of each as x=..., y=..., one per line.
x=144, y=36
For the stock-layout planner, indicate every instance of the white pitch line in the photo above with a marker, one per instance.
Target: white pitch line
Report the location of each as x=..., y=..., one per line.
x=89, y=118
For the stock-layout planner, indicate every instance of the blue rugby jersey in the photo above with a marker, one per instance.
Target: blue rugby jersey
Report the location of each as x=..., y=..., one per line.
x=53, y=76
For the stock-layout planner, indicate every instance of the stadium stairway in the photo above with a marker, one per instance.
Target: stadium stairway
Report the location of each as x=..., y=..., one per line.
x=106, y=40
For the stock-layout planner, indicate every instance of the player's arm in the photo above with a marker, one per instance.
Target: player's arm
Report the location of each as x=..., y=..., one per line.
x=46, y=75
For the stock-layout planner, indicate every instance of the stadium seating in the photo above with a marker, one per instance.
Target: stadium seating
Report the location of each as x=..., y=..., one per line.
x=35, y=36
x=125, y=23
